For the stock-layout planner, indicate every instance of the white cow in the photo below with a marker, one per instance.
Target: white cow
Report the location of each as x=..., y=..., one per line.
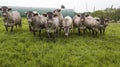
x=67, y=24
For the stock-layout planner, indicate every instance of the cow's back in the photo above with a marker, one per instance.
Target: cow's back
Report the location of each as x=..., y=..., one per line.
x=91, y=21
x=68, y=20
x=14, y=16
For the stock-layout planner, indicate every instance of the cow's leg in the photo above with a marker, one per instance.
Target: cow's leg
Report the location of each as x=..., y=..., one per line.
x=57, y=33
x=12, y=28
x=6, y=27
x=100, y=31
x=51, y=35
x=93, y=32
x=84, y=31
x=34, y=32
x=72, y=28
x=48, y=36
x=30, y=28
x=89, y=30
x=103, y=31
x=20, y=24
x=79, y=31
x=96, y=32
x=60, y=30
x=16, y=26
x=39, y=33
x=54, y=37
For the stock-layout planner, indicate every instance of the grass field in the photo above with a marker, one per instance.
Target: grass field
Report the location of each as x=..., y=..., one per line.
x=21, y=49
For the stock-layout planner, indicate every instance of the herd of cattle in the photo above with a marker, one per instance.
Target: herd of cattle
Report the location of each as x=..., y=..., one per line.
x=54, y=22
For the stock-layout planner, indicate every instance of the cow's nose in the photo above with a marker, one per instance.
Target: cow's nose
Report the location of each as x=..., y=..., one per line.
x=4, y=14
x=66, y=34
x=29, y=20
x=82, y=20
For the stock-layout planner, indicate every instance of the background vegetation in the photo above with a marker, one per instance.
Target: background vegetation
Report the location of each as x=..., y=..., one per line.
x=111, y=13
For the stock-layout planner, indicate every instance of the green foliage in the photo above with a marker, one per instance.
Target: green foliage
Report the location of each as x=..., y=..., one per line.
x=99, y=13
x=116, y=15
x=111, y=13
x=21, y=49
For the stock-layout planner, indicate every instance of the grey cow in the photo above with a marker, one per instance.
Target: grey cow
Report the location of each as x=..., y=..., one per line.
x=58, y=13
x=36, y=21
x=29, y=15
x=52, y=25
x=11, y=18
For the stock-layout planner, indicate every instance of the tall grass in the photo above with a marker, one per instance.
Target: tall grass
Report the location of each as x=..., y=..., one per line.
x=21, y=49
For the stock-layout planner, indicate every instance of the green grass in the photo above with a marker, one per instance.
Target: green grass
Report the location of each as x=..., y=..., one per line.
x=21, y=49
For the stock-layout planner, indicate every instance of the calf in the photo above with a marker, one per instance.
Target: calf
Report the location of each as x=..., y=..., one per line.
x=58, y=13
x=11, y=18
x=67, y=24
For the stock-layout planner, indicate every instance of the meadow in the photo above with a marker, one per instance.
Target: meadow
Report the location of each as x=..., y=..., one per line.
x=21, y=48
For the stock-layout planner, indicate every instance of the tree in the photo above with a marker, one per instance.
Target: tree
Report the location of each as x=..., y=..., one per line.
x=116, y=15
x=99, y=13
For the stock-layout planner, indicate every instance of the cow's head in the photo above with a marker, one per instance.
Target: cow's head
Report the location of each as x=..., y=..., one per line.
x=102, y=21
x=29, y=15
x=82, y=17
x=57, y=11
x=50, y=15
x=66, y=27
x=5, y=10
x=66, y=30
x=50, y=20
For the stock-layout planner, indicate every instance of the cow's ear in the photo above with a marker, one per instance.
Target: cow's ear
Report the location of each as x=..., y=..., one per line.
x=97, y=20
x=35, y=14
x=9, y=9
x=78, y=15
x=45, y=15
x=55, y=15
x=59, y=10
x=86, y=15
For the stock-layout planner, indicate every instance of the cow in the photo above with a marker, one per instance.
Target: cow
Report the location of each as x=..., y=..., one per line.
x=11, y=18
x=29, y=15
x=52, y=26
x=77, y=23
x=60, y=17
x=67, y=25
x=92, y=23
x=36, y=21
x=103, y=25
